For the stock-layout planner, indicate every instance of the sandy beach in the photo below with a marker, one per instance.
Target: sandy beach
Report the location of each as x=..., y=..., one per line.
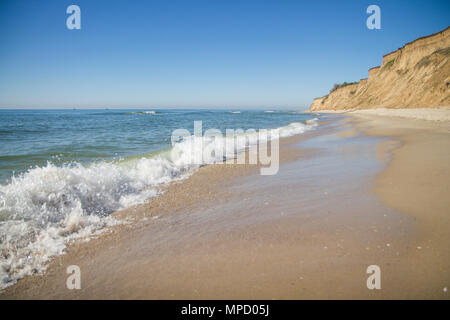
x=361, y=190
x=228, y=159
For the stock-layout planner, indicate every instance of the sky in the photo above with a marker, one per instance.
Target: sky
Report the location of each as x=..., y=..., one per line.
x=197, y=54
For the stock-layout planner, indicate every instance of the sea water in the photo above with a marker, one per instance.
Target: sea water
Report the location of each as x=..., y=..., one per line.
x=63, y=172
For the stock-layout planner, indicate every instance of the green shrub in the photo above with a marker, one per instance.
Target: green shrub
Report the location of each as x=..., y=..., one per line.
x=341, y=85
x=389, y=64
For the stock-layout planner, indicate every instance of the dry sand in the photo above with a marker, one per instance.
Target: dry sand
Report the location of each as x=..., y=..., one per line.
x=308, y=232
x=431, y=114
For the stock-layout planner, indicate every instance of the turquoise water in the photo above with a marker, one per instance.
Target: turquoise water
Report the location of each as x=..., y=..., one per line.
x=62, y=172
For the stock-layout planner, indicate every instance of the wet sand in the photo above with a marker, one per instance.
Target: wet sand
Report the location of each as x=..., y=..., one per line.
x=358, y=191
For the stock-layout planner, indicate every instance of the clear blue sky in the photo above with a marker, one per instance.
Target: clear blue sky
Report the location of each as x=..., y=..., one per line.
x=219, y=54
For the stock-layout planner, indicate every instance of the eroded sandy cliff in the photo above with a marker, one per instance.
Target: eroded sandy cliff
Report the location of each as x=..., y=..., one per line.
x=416, y=75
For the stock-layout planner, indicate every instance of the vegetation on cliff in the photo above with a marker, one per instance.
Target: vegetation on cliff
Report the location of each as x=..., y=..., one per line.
x=341, y=85
x=416, y=75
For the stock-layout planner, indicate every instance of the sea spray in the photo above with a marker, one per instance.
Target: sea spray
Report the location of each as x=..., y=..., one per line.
x=46, y=207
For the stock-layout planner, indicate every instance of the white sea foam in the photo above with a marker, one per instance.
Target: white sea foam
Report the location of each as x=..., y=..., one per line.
x=187, y=151
x=45, y=208
x=143, y=112
x=312, y=121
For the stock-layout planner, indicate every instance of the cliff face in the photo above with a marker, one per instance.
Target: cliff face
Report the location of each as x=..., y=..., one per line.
x=416, y=75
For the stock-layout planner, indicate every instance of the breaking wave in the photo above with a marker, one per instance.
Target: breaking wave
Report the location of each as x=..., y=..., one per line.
x=45, y=208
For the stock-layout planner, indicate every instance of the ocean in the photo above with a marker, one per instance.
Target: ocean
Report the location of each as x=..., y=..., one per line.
x=63, y=172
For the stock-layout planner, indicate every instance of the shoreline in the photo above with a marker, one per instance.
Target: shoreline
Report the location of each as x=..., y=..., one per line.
x=193, y=192
x=47, y=206
x=227, y=241
x=430, y=114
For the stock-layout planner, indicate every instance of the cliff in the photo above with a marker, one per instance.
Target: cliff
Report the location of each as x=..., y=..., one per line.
x=416, y=75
